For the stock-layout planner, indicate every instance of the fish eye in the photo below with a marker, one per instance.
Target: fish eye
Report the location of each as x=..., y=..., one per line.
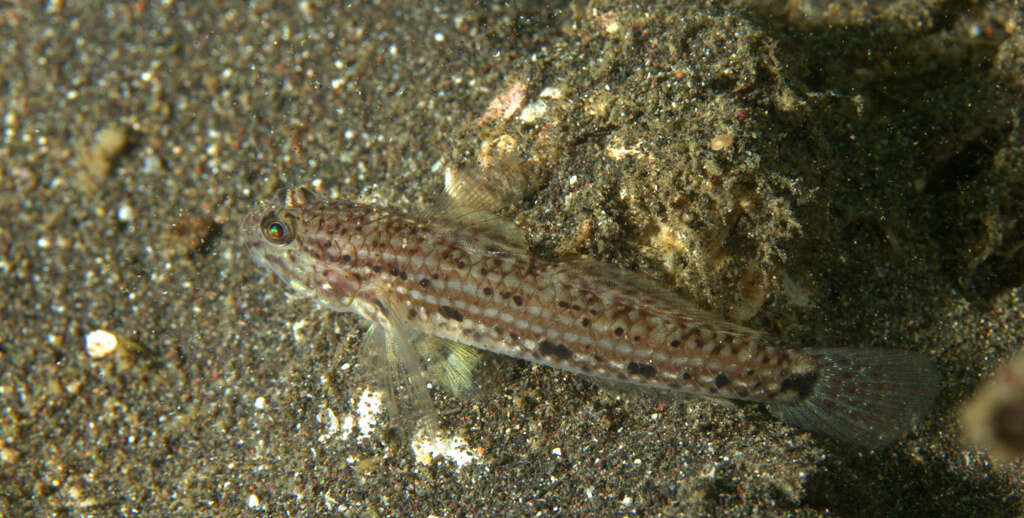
x=276, y=230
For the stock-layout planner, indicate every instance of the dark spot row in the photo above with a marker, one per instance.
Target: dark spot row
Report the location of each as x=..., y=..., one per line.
x=401, y=274
x=566, y=305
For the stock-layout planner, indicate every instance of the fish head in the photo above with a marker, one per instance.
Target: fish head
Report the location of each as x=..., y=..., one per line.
x=298, y=236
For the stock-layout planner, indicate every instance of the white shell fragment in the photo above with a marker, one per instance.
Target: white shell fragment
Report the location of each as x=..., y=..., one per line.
x=100, y=343
x=534, y=111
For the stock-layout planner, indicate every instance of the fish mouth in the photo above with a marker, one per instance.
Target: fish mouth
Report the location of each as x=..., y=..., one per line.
x=251, y=239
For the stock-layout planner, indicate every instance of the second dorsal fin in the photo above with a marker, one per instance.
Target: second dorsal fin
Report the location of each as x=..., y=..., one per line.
x=615, y=282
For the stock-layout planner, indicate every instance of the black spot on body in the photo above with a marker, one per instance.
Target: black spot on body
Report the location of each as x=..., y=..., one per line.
x=641, y=369
x=686, y=376
x=518, y=300
x=346, y=258
x=563, y=304
x=412, y=313
x=676, y=343
x=721, y=380
x=488, y=291
x=619, y=331
x=450, y=312
x=585, y=322
x=559, y=351
x=424, y=283
x=802, y=384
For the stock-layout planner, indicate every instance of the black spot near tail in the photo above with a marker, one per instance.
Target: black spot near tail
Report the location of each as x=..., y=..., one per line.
x=868, y=397
x=801, y=384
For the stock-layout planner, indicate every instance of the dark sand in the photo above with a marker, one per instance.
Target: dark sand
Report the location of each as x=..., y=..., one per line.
x=850, y=177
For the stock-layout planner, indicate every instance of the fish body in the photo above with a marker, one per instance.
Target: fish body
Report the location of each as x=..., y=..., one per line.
x=458, y=281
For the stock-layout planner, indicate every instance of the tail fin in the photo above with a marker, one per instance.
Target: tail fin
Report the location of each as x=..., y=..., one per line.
x=868, y=397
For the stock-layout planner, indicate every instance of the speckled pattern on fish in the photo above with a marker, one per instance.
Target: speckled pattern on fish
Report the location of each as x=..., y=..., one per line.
x=454, y=278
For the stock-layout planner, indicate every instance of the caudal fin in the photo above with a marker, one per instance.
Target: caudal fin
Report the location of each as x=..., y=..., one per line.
x=868, y=397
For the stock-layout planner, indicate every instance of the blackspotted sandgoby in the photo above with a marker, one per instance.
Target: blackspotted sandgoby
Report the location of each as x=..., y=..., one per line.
x=464, y=278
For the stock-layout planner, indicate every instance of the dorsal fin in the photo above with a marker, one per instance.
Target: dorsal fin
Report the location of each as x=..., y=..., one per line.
x=484, y=225
x=634, y=288
x=472, y=198
x=504, y=181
